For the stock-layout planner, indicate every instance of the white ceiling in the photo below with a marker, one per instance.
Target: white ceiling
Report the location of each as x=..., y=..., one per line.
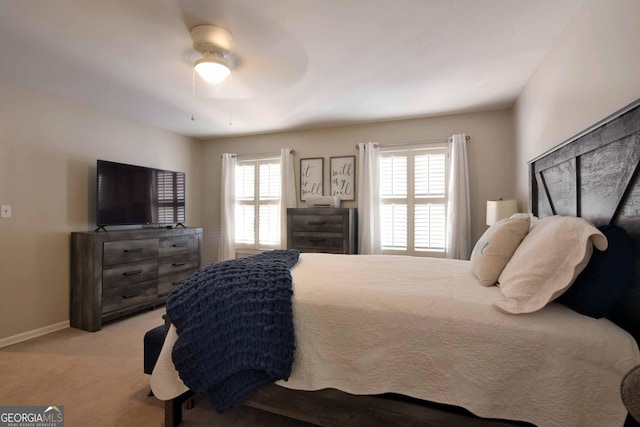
x=303, y=63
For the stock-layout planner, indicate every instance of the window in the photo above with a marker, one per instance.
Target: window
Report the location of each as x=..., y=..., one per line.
x=170, y=192
x=257, y=210
x=413, y=192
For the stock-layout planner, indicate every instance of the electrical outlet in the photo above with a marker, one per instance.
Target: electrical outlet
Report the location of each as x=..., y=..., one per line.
x=5, y=211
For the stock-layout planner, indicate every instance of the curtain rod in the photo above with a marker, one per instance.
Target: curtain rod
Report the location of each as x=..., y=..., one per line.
x=273, y=153
x=433, y=141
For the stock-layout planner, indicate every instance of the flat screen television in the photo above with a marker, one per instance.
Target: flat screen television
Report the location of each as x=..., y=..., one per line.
x=134, y=195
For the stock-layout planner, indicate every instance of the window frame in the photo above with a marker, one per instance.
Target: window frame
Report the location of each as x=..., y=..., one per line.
x=411, y=200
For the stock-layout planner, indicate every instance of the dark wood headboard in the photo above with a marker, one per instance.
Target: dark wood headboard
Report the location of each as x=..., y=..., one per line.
x=594, y=175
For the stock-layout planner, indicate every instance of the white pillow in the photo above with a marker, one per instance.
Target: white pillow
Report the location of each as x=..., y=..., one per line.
x=495, y=248
x=547, y=262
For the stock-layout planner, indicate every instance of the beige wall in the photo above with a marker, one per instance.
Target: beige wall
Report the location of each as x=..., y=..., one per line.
x=48, y=152
x=592, y=71
x=490, y=157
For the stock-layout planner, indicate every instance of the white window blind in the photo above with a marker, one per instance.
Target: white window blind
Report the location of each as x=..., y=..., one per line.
x=413, y=200
x=170, y=192
x=257, y=218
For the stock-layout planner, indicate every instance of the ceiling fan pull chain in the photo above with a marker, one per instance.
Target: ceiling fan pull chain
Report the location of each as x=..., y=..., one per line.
x=230, y=103
x=193, y=94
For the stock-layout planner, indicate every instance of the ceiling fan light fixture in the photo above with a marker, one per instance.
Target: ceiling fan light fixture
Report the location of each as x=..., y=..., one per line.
x=214, y=43
x=212, y=69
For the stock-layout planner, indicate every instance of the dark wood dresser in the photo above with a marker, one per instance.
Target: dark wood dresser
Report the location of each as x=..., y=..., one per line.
x=331, y=230
x=117, y=273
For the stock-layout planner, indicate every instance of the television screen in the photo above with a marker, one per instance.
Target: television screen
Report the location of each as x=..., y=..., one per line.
x=129, y=194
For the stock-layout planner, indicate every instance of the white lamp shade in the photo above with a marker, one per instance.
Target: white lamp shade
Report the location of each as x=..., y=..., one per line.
x=212, y=69
x=499, y=209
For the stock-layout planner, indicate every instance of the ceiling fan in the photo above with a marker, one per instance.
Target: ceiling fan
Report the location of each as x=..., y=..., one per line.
x=262, y=56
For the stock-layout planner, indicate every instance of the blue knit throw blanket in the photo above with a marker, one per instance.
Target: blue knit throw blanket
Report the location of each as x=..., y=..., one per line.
x=235, y=326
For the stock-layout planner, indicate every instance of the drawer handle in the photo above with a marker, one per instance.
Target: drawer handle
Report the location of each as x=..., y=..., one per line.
x=178, y=245
x=131, y=273
x=316, y=222
x=131, y=295
x=176, y=283
x=316, y=239
x=130, y=251
x=178, y=264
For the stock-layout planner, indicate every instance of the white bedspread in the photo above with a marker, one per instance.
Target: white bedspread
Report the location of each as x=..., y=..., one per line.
x=426, y=328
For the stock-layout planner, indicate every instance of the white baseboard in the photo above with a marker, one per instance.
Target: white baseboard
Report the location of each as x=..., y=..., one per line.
x=4, y=342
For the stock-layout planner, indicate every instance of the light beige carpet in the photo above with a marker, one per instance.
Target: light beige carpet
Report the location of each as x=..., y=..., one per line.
x=98, y=378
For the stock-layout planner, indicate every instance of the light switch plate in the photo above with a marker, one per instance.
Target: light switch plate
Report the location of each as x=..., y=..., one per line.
x=5, y=211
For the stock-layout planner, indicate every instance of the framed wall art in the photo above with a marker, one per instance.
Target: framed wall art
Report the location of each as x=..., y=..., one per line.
x=343, y=177
x=311, y=177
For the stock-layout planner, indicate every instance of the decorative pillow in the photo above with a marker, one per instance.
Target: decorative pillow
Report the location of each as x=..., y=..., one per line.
x=607, y=276
x=496, y=246
x=532, y=218
x=547, y=262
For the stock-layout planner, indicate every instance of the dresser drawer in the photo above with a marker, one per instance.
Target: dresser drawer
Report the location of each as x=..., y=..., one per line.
x=326, y=223
x=127, y=296
x=177, y=263
x=126, y=274
x=178, y=244
x=168, y=283
x=129, y=250
x=321, y=242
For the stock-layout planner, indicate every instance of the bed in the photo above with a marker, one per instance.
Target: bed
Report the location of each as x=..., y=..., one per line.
x=441, y=338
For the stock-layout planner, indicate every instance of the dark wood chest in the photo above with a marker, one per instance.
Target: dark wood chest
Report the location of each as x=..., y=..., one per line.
x=330, y=230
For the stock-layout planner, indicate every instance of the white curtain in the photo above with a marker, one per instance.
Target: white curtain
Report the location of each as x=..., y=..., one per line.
x=226, y=249
x=288, y=197
x=458, y=207
x=369, y=199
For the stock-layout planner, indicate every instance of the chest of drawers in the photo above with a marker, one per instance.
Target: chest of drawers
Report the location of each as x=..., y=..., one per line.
x=117, y=273
x=330, y=230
